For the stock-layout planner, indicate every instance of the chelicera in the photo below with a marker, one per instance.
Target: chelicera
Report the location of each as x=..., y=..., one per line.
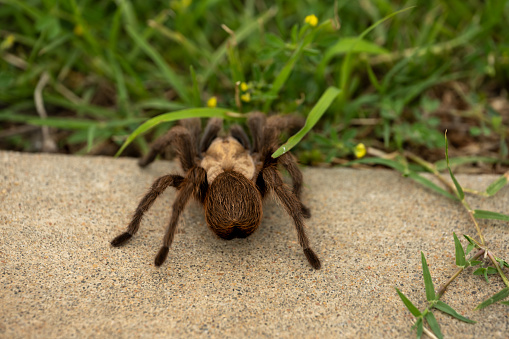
x=229, y=176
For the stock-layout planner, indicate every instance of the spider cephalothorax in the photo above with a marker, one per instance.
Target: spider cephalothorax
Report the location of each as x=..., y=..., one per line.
x=229, y=177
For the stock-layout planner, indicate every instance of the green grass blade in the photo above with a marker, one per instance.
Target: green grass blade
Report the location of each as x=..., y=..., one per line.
x=481, y=214
x=420, y=327
x=173, y=79
x=90, y=137
x=122, y=96
x=441, y=165
x=196, y=91
x=178, y=115
x=504, y=302
x=345, y=68
x=504, y=293
x=239, y=35
x=460, y=254
x=433, y=323
x=440, y=305
x=459, y=190
x=496, y=185
x=316, y=113
x=408, y=304
x=379, y=161
x=428, y=283
x=350, y=44
x=162, y=104
x=431, y=185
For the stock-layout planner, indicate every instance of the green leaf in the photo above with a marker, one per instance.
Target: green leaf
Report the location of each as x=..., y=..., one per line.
x=460, y=254
x=470, y=247
x=408, y=304
x=440, y=305
x=316, y=113
x=428, y=283
x=432, y=322
x=485, y=271
x=420, y=327
x=474, y=262
x=481, y=214
x=178, y=115
x=496, y=185
x=504, y=293
x=459, y=190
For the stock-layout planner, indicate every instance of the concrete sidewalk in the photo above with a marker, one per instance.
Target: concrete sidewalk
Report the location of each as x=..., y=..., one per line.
x=61, y=278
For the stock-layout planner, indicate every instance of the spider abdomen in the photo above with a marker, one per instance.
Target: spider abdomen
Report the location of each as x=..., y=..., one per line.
x=233, y=206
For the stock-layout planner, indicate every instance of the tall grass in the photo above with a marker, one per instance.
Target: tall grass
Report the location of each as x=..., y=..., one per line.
x=115, y=64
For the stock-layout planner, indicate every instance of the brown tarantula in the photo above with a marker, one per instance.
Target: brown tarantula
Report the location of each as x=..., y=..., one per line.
x=229, y=177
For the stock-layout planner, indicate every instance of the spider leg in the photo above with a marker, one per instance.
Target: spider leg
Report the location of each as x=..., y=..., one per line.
x=157, y=188
x=181, y=139
x=290, y=164
x=211, y=131
x=256, y=122
x=292, y=205
x=193, y=182
x=240, y=135
x=193, y=125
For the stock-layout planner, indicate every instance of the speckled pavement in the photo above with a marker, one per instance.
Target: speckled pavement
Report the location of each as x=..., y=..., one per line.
x=59, y=276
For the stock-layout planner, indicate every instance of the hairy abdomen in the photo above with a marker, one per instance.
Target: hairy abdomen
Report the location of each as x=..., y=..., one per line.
x=233, y=206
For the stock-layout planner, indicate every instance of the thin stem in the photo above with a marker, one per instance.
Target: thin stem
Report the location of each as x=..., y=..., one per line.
x=497, y=266
x=431, y=168
x=471, y=214
x=442, y=288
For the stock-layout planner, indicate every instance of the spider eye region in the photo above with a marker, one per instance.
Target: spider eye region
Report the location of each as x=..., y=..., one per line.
x=233, y=206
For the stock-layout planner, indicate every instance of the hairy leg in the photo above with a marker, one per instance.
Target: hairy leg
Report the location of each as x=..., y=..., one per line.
x=211, y=131
x=290, y=164
x=181, y=139
x=256, y=122
x=240, y=135
x=157, y=188
x=193, y=125
x=195, y=179
x=292, y=205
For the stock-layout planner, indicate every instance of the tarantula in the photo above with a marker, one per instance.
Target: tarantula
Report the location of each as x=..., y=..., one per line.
x=229, y=177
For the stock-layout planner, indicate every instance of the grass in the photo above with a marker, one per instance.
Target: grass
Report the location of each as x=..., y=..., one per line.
x=403, y=80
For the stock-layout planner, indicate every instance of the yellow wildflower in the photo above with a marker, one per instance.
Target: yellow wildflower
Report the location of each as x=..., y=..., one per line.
x=246, y=97
x=212, y=102
x=8, y=42
x=243, y=86
x=360, y=150
x=78, y=30
x=312, y=20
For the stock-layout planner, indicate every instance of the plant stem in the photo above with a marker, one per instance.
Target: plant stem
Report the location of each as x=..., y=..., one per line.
x=442, y=288
x=431, y=168
x=471, y=213
x=497, y=266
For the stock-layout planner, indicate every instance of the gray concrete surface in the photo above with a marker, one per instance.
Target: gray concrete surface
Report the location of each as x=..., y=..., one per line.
x=61, y=278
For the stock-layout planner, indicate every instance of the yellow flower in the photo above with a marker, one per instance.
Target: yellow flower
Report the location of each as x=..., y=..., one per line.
x=311, y=20
x=243, y=86
x=360, y=150
x=78, y=30
x=8, y=42
x=246, y=97
x=212, y=102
